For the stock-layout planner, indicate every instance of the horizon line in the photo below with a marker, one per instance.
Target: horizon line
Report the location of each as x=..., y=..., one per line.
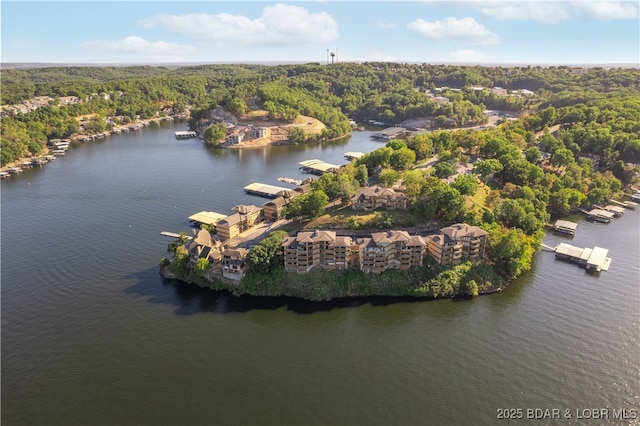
x=24, y=64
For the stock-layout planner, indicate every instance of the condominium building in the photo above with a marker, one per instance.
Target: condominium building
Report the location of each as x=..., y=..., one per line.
x=377, y=197
x=244, y=218
x=456, y=243
x=326, y=250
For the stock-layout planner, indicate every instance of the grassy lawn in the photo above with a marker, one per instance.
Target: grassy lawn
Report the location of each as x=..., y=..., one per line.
x=340, y=217
x=478, y=199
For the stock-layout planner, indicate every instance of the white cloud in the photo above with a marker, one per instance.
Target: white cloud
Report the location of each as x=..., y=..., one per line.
x=467, y=55
x=279, y=25
x=466, y=30
x=549, y=12
x=156, y=50
x=553, y=12
x=385, y=25
x=606, y=11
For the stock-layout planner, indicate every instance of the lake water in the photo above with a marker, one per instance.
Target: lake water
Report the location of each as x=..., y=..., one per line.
x=92, y=335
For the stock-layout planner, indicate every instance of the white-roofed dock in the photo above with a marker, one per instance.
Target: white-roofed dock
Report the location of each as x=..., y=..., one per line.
x=565, y=227
x=185, y=134
x=318, y=167
x=264, y=190
x=206, y=218
x=593, y=259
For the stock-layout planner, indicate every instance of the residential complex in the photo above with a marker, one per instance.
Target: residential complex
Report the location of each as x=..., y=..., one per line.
x=381, y=250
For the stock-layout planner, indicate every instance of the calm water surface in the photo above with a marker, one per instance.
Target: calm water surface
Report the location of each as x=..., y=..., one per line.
x=92, y=335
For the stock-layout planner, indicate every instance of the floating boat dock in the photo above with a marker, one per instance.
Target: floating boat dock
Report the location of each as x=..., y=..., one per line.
x=353, y=155
x=626, y=204
x=318, y=167
x=594, y=260
x=389, y=133
x=207, y=218
x=264, y=190
x=599, y=215
x=616, y=210
x=185, y=134
x=565, y=227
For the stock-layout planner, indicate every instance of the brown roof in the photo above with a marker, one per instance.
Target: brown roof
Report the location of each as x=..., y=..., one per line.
x=461, y=230
x=231, y=219
x=243, y=209
x=390, y=236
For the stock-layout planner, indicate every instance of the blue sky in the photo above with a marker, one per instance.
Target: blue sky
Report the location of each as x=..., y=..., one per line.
x=505, y=31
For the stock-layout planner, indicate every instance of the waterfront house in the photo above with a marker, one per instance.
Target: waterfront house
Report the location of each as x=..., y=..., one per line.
x=205, y=246
x=235, y=138
x=376, y=197
x=258, y=132
x=233, y=263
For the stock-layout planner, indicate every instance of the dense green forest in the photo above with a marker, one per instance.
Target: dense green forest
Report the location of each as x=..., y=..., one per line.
x=527, y=173
x=385, y=92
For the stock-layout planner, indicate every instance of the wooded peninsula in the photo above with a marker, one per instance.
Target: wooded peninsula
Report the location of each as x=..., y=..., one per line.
x=565, y=138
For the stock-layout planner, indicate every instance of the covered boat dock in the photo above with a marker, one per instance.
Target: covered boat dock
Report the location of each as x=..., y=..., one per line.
x=594, y=259
x=264, y=190
x=207, y=218
x=565, y=227
x=185, y=134
x=352, y=155
x=389, y=133
x=318, y=167
x=600, y=215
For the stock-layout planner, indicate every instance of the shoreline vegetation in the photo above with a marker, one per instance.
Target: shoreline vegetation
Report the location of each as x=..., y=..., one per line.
x=503, y=149
x=430, y=281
